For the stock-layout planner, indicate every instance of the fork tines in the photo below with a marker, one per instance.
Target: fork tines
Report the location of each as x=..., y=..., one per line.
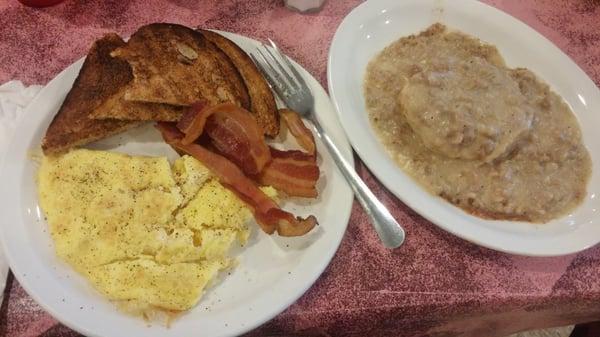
x=281, y=74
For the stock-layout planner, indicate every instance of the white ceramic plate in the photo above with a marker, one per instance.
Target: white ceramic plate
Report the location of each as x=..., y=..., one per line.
x=273, y=271
x=375, y=24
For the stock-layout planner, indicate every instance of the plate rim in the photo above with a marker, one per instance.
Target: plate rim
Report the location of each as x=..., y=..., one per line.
x=63, y=75
x=376, y=167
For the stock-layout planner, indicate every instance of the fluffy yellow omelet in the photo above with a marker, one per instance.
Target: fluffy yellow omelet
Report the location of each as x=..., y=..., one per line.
x=141, y=231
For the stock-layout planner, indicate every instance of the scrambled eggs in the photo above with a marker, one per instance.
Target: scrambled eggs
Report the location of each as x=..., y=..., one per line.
x=141, y=231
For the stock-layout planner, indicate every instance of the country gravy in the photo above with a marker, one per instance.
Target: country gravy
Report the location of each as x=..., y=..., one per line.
x=494, y=141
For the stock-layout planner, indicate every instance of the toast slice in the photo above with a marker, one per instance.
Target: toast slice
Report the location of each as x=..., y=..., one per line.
x=175, y=65
x=116, y=107
x=262, y=102
x=100, y=77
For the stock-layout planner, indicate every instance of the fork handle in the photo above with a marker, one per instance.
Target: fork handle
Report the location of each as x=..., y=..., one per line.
x=388, y=229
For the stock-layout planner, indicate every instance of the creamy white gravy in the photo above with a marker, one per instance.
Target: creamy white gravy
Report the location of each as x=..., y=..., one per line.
x=494, y=141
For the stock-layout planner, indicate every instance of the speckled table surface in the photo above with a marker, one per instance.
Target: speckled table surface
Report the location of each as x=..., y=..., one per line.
x=436, y=284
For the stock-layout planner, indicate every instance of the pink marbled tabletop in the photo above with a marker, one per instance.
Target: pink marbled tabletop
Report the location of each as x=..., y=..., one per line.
x=434, y=285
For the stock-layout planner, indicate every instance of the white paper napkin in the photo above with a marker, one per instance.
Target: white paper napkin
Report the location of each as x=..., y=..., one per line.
x=14, y=97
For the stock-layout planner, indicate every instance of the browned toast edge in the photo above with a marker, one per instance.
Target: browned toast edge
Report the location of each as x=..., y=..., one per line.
x=155, y=84
x=99, y=77
x=262, y=102
x=116, y=107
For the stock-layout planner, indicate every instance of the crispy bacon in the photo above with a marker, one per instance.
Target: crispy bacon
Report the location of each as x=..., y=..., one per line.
x=299, y=130
x=287, y=224
x=230, y=141
x=192, y=122
x=170, y=133
x=293, y=172
x=267, y=213
x=232, y=130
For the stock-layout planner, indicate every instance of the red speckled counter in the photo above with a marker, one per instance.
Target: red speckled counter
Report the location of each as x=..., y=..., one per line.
x=436, y=284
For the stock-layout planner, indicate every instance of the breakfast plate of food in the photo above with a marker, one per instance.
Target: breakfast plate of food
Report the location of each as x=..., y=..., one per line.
x=475, y=121
x=155, y=187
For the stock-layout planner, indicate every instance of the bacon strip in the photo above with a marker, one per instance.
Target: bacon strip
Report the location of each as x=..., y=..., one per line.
x=267, y=213
x=192, y=122
x=233, y=131
x=293, y=172
x=297, y=128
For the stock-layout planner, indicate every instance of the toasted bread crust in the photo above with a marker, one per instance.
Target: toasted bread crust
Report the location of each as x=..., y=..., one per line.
x=262, y=102
x=173, y=64
x=231, y=72
x=116, y=107
x=100, y=77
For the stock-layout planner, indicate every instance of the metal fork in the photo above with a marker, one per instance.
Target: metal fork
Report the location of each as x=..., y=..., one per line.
x=293, y=90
